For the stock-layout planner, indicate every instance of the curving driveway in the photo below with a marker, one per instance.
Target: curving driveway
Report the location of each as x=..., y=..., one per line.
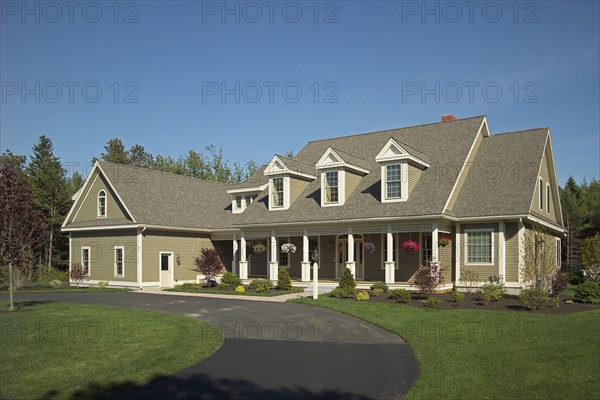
x=273, y=351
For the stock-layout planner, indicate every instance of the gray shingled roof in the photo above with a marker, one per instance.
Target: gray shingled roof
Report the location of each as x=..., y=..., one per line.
x=299, y=165
x=257, y=179
x=447, y=143
x=159, y=198
x=503, y=176
x=351, y=158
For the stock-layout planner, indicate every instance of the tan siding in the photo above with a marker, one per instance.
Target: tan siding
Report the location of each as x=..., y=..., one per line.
x=512, y=251
x=185, y=245
x=102, y=253
x=89, y=211
x=414, y=174
x=297, y=186
x=352, y=181
x=545, y=173
x=446, y=257
x=465, y=174
x=484, y=271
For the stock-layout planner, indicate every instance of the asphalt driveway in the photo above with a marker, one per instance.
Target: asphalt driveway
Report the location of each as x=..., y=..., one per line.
x=273, y=351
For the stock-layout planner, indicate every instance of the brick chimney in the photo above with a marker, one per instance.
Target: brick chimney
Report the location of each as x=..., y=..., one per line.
x=448, y=117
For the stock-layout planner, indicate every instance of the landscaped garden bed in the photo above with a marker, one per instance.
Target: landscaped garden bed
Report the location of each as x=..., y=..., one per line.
x=199, y=288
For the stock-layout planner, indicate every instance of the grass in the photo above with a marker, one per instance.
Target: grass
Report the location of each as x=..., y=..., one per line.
x=269, y=293
x=61, y=350
x=488, y=354
x=65, y=290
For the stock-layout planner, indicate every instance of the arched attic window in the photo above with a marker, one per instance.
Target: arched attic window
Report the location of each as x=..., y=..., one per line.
x=102, y=204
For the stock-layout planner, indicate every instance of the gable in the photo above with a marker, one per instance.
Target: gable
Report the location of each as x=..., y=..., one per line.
x=86, y=206
x=548, y=178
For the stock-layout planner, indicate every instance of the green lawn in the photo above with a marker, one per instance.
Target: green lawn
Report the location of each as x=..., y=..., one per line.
x=61, y=350
x=65, y=290
x=472, y=354
x=270, y=293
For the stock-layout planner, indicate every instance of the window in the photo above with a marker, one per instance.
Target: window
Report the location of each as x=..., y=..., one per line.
x=331, y=187
x=558, y=253
x=164, y=261
x=249, y=199
x=277, y=192
x=393, y=181
x=85, y=259
x=479, y=247
x=427, y=249
x=313, y=245
x=548, y=198
x=119, y=260
x=102, y=203
x=238, y=202
x=541, y=193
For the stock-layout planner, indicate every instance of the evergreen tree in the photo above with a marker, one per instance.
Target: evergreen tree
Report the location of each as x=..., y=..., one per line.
x=139, y=157
x=195, y=164
x=115, y=152
x=49, y=185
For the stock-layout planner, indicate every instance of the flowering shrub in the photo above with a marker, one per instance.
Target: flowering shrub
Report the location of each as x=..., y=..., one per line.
x=428, y=278
x=410, y=245
x=288, y=248
x=444, y=241
x=369, y=246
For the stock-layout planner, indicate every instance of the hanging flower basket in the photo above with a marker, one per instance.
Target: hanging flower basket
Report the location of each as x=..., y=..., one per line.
x=369, y=246
x=444, y=241
x=410, y=245
x=288, y=248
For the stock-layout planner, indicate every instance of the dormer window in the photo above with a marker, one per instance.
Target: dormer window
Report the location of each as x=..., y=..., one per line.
x=243, y=197
x=238, y=202
x=101, y=204
x=277, y=198
x=331, y=187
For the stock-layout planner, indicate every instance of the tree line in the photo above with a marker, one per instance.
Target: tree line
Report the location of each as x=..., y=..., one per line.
x=36, y=195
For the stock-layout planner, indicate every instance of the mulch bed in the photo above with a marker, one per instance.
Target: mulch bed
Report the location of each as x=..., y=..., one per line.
x=474, y=302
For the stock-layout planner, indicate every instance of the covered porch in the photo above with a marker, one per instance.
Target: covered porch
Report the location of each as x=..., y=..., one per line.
x=372, y=253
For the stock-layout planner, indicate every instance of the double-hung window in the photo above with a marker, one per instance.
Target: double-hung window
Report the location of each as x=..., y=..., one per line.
x=85, y=259
x=277, y=192
x=119, y=260
x=393, y=181
x=479, y=247
x=331, y=187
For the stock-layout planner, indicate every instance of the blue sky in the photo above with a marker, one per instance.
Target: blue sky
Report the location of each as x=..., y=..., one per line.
x=183, y=74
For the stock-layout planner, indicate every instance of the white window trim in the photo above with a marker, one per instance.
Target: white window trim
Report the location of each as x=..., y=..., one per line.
x=98, y=204
x=89, y=250
x=122, y=248
x=286, y=193
x=541, y=193
x=466, y=248
x=403, y=182
x=558, y=253
x=547, y=198
x=341, y=188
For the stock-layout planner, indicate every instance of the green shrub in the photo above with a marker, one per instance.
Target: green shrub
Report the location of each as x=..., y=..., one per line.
x=493, y=291
x=344, y=293
x=262, y=286
x=55, y=284
x=380, y=285
x=53, y=275
x=377, y=292
x=362, y=296
x=102, y=285
x=458, y=296
x=347, y=280
x=559, y=283
x=230, y=279
x=588, y=292
x=189, y=285
x=401, y=295
x=259, y=282
x=433, y=302
x=284, y=282
x=486, y=297
x=575, y=277
x=240, y=289
x=533, y=298
x=590, y=251
x=556, y=302
x=224, y=286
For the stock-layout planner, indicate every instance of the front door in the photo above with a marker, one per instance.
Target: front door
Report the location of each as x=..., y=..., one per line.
x=166, y=269
x=342, y=257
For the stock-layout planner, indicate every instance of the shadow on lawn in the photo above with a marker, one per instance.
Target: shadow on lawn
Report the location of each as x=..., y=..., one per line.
x=24, y=305
x=199, y=386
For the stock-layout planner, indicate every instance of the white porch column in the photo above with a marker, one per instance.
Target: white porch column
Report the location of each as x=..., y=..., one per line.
x=273, y=264
x=457, y=255
x=390, y=273
x=234, y=255
x=243, y=264
x=501, y=252
x=434, y=243
x=350, y=263
x=305, y=259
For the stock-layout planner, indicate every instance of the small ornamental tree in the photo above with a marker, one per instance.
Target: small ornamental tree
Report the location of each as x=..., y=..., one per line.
x=347, y=280
x=77, y=274
x=284, y=282
x=590, y=255
x=209, y=264
x=428, y=278
x=539, y=259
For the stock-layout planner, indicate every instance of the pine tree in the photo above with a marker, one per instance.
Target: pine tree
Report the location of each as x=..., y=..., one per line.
x=48, y=182
x=115, y=152
x=139, y=157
